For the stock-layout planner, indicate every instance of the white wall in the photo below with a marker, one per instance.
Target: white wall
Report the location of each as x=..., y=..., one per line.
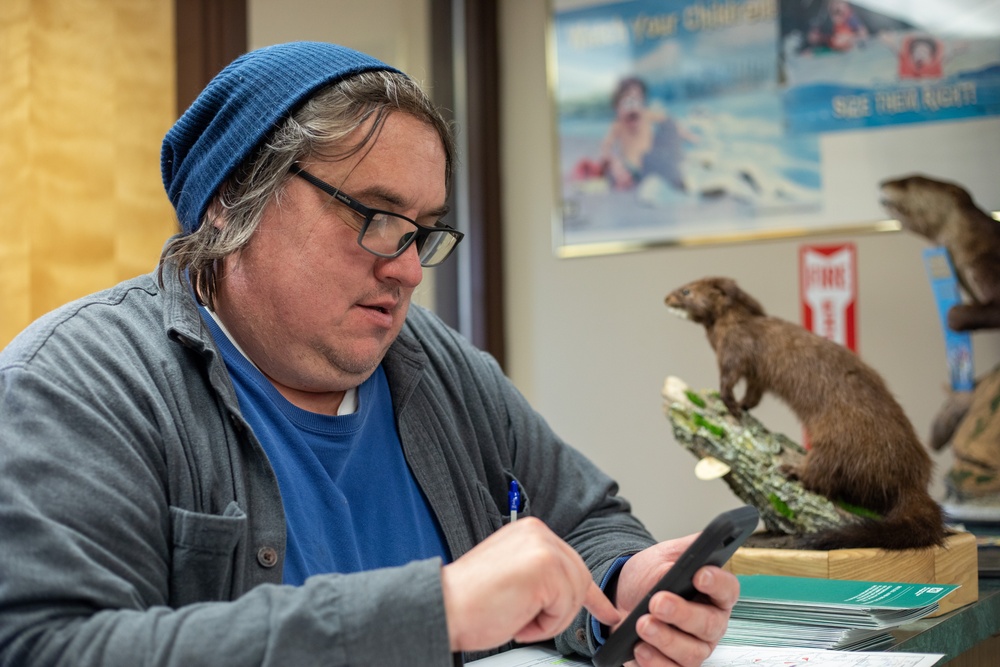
x=395, y=31
x=590, y=341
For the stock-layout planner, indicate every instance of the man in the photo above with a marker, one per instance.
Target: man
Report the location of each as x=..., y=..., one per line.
x=262, y=455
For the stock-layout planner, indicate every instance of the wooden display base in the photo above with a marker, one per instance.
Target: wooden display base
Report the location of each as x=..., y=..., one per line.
x=954, y=563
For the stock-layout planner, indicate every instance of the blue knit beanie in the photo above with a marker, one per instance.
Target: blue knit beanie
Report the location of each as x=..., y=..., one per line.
x=238, y=110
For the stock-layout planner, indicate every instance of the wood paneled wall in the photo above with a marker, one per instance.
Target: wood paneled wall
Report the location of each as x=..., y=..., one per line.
x=86, y=95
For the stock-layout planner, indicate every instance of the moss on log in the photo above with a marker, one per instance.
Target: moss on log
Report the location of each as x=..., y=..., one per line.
x=755, y=458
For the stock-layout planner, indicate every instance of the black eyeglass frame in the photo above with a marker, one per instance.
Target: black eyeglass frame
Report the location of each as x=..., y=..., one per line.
x=368, y=213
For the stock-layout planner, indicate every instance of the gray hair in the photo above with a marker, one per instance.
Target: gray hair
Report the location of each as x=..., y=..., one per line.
x=315, y=130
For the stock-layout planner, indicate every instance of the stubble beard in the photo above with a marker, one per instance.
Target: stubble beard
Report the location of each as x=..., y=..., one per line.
x=356, y=367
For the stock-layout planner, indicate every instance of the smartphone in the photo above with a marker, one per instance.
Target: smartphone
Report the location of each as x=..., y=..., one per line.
x=713, y=546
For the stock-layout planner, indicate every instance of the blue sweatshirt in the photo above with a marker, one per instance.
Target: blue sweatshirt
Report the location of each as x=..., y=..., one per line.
x=327, y=467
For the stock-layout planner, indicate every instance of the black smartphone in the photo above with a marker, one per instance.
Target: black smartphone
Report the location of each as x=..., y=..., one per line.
x=714, y=546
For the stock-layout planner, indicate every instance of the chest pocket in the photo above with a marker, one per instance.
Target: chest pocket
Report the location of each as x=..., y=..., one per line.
x=497, y=509
x=203, y=553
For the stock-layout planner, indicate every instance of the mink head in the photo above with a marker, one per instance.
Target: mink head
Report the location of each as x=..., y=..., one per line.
x=921, y=204
x=704, y=301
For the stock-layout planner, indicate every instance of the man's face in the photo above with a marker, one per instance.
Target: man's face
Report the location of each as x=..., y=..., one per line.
x=314, y=310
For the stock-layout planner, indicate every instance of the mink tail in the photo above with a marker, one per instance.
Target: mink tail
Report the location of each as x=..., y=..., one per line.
x=915, y=522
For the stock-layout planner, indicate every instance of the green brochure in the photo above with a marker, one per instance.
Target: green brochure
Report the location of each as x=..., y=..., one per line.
x=835, y=602
x=826, y=613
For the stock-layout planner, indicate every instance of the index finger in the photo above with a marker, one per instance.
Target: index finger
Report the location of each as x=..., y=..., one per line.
x=600, y=607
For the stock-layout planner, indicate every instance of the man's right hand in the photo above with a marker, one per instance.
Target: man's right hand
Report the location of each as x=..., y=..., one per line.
x=522, y=583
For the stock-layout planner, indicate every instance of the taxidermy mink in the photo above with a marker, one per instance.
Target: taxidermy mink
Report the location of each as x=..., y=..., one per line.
x=945, y=214
x=863, y=451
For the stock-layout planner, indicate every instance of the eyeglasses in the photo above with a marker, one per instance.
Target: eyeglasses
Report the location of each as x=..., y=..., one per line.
x=389, y=234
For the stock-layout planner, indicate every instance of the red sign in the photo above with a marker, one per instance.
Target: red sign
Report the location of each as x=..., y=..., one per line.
x=828, y=284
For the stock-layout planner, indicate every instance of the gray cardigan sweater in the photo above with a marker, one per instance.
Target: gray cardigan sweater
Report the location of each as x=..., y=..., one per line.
x=141, y=523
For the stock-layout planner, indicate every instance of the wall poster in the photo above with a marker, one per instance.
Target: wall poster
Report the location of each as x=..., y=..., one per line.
x=691, y=121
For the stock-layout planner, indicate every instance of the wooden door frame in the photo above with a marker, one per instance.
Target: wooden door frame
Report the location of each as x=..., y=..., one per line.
x=209, y=34
x=465, y=70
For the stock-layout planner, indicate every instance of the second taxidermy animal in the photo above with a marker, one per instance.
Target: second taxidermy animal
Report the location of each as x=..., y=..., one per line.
x=945, y=214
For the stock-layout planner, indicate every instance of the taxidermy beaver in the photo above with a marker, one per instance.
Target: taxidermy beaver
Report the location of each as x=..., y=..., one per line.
x=945, y=214
x=864, y=450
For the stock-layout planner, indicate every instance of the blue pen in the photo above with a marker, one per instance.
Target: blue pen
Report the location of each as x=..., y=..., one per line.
x=514, y=500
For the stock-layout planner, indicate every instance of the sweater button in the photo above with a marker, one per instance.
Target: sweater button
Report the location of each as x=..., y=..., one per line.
x=267, y=556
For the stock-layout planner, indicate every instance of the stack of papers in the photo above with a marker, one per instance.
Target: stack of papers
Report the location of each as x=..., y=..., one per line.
x=826, y=613
x=726, y=656
x=786, y=635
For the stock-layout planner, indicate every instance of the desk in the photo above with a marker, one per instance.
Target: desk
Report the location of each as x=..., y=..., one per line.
x=968, y=636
